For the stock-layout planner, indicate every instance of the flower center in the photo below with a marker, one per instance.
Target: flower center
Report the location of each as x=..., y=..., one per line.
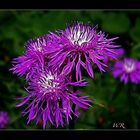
x=129, y=66
x=48, y=82
x=38, y=44
x=80, y=34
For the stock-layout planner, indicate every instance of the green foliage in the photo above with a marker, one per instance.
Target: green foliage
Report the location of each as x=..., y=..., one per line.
x=136, y=51
x=110, y=96
x=115, y=22
x=135, y=31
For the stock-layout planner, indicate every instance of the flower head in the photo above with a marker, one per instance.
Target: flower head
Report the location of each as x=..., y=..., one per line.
x=4, y=119
x=128, y=70
x=50, y=97
x=34, y=56
x=81, y=45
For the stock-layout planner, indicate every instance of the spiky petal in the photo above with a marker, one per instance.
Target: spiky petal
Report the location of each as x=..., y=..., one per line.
x=33, y=57
x=50, y=97
x=81, y=45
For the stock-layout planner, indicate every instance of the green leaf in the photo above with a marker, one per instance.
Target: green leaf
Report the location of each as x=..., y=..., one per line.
x=135, y=53
x=135, y=31
x=115, y=23
x=95, y=15
x=2, y=63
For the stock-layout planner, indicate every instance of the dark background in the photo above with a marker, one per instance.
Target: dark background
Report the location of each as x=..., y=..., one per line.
x=112, y=105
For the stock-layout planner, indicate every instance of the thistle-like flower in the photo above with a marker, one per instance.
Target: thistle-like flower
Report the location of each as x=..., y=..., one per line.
x=4, y=119
x=50, y=98
x=128, y=70
x=81, y=45
x=34, y=56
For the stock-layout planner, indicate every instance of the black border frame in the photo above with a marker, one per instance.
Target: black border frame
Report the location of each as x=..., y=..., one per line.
x=69, y=134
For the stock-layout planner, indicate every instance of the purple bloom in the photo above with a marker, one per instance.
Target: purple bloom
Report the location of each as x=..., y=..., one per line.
x=80, y=45
x=128, y=70
x=50, y=97
x=33, y=57
x=120, y=53
x=4, y=119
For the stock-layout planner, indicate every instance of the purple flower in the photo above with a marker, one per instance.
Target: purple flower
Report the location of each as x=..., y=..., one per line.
x=80, y=45
x=120, y=53
x=33, y=57
x=128, y=70
x=50, y=97
x=4, y=119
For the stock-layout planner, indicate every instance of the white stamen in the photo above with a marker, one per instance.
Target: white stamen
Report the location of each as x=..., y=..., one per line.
x=129, y=67
x=80, y=36
x=46, y=81
x=64, y=110
x=37, y=45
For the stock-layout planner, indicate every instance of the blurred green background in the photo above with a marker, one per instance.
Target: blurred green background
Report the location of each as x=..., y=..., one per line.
x=112, y=101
